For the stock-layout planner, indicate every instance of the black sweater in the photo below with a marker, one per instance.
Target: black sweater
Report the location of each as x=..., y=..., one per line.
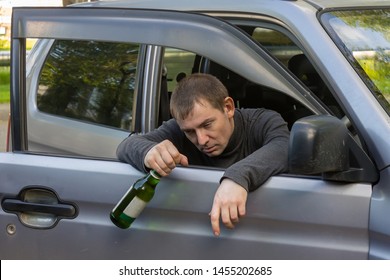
x=257, y=149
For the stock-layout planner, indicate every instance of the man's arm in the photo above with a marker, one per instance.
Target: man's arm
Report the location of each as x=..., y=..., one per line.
x=270, y=157
x=229, y=204
x=251, y=172
x=135, y=148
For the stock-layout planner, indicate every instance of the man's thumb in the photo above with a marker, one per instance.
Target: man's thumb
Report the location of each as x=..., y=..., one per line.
x=183, y=160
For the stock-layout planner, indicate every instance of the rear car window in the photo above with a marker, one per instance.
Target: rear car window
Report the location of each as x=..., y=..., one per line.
x=90, y=81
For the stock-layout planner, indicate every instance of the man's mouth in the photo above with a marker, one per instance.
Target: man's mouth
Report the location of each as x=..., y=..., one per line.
x=209, y=150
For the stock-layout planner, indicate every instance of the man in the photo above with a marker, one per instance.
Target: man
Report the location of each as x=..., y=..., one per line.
x=206, y=129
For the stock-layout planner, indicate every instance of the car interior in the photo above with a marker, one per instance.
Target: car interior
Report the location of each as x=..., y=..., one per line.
x=247, y=94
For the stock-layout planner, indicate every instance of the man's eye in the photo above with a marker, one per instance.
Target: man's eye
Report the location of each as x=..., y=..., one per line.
x=208, y=124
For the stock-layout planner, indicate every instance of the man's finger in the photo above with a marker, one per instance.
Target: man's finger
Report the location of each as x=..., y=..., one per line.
x=226, y=215
x=214, y=218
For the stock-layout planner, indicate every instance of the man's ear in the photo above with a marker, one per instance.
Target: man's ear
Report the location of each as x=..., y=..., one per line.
x=229, y=106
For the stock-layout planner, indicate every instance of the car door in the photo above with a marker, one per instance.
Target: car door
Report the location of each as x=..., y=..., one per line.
x=57, y=207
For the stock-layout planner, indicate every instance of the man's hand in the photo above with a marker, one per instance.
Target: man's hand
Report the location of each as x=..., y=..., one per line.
x=229, y=205
x=164, y=157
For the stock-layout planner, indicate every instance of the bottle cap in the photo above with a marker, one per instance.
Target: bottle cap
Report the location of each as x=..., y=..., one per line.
x=155, y=174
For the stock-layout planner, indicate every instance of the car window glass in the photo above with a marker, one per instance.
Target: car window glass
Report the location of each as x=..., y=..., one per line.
x=364, y=38
x=278, y=44
x=89, y=81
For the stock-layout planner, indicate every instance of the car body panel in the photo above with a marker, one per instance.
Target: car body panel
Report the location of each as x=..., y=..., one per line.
x=379, y=224
x=231, y=5
x=282, y=215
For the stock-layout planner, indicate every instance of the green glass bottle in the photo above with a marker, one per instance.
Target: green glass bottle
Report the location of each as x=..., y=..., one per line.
x=135, y=200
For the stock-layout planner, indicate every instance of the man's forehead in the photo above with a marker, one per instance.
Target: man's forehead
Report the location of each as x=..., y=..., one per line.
x=200, y=113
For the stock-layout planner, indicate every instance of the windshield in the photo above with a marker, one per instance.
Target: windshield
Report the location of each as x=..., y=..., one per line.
x=364, y=37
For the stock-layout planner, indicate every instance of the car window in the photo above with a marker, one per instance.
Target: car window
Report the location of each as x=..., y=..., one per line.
x=364, y=37
x=89, y=81
x=180, y=63
x=277, y=43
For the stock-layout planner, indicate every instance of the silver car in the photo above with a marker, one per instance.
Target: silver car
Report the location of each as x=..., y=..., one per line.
x=102, y=70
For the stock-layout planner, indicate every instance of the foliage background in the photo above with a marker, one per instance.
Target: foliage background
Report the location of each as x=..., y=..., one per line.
x=4, y=84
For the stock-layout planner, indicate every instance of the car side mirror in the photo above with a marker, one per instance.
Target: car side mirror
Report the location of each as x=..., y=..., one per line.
x=322, y=145
x=318, y=144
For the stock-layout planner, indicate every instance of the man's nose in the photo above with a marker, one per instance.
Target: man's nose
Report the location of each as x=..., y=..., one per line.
x=202, y=137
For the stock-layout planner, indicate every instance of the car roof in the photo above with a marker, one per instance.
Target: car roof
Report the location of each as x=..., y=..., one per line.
x=231, y=5
x=324, y=4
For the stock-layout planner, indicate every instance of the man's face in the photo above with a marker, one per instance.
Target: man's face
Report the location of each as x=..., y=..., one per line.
x=208, y=128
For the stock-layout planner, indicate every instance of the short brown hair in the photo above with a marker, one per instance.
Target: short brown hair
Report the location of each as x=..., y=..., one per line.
x=192, y=89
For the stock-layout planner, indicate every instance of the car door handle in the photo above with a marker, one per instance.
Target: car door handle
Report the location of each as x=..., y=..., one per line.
x=63, y=210
x=39, y=207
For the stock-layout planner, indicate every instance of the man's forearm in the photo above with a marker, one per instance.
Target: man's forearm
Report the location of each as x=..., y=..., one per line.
x=133, y=149
x=252, y=171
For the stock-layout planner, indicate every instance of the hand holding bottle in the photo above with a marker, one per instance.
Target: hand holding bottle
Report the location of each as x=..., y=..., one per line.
x=164, y=157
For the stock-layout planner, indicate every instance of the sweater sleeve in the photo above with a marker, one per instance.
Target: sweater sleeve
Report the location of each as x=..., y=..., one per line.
x=269, y=156
x=134, y=148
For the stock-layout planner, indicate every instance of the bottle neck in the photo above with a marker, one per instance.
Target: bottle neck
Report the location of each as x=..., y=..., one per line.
x=154, y=174
x=153, y=178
